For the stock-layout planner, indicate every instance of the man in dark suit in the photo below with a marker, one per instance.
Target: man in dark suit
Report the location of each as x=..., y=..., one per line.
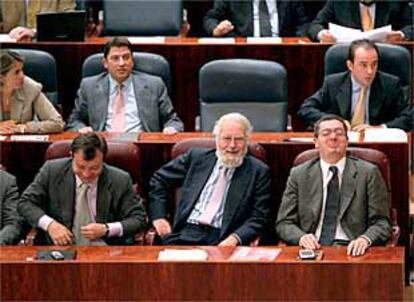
x=11, y=224
x=363, y=96
x=225, y=193
x=334, y=199
x=237, y=18
x=350, y=14
x=123, y=100
x=80, y=200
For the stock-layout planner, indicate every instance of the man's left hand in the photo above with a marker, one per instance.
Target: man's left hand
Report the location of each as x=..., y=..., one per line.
x=229, y=241
x=363, y=127
x=169, y=130
x=358, y=247
x=395, y=36
x=93, y=231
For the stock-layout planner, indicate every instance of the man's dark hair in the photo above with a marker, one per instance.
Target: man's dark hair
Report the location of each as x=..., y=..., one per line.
x=364, y=43
x=89, y=143
x=117, y=42
x=329, y=117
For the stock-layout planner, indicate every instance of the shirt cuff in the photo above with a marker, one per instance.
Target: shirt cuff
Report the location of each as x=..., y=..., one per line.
x=44, y=222
x=115, y=229
x=237, y=237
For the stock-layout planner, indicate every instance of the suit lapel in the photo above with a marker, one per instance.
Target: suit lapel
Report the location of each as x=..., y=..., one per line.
x=141, y=96
x=236, y=193
x=101, y=101
x=17, y=107
x=375, y=98
x=343, y=98
x=382, y=14
x=66, y=188
x=314, y=188
x=104, y=197
x=281, y=15
x=348, y=186
x=355, y=17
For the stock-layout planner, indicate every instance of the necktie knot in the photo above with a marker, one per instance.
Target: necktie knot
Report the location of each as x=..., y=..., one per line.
x=334, y=170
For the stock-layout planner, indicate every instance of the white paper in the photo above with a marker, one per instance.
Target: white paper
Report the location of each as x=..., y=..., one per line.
x=146, y=40
x=353, y=136
x=3, y=138
x=385, y=135
x=264, y=40
x=345, y=34
x=182, y=255
x=246, y=253
x=6, y=38
x=301, y=139
x=216, y=41
x=29, y=138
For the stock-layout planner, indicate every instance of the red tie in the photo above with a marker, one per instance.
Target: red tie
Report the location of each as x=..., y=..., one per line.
x=118, y=111
x=216, y=198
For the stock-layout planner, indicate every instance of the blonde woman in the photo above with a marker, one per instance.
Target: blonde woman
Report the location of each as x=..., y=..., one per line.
x=21, y=100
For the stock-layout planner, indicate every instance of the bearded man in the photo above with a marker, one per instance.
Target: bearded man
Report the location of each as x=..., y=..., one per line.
x=225, y=192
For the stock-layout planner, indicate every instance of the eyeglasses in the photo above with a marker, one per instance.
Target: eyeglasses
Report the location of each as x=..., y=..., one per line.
x=337, y=131
x=116, y=59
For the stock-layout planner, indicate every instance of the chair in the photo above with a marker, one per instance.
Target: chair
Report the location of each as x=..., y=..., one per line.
x=184, y=146
x=150, y=63
x=255, y=88
x=375, y=157
x=41, y=66
x=142, y=18
x=394, y=59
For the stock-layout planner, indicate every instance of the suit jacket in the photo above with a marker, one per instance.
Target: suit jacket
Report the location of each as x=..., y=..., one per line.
x=154, y=105
x=28, y=102
x=11, y=224
x=53, y=193
x=247, y=206
x=346, y=13
x=387, y=102
x=364, y=203
x=13, y=11
x=293, y=19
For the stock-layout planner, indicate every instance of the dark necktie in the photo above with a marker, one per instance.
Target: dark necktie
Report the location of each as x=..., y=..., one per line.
x=331, y=209
x=265, y=28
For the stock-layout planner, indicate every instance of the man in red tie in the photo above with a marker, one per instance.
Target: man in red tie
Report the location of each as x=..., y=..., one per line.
x=225, y=192
x=122, y=99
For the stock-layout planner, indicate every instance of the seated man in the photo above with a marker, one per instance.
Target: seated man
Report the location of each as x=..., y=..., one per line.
x=256, y=18
x=364, y=15
x=19, y=16
x=363, y=96
x=334, y=199
x=82, y=201
x=11, y=224
x=225, y=192
x=123, y=100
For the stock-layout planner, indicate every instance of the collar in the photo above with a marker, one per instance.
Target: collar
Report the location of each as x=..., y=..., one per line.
x=79, y=182
x=339, y=164
x=113, y=83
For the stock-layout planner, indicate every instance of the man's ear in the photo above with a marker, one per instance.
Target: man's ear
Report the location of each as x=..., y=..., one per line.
x=350, y=65
x=315, y=141
x=104, y=63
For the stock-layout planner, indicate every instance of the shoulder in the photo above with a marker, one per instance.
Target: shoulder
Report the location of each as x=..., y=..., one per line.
x=387, y=78
x=6, y=178
x=336, y=78
x=304, y=168
x=360, y=164
x=58, y=165
x=92, y=80
x=31, y=87
x=114, y=173
x=255, y=162
x=146, y=78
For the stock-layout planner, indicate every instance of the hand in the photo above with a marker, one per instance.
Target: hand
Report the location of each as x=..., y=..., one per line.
x=394, y=36
x=93, y=231
x=223, y=28
x=363, y=127
x=162, y=226
x=85, y=130
x=59, y=233
x=22, y=33
x=9, y=127
x=326, y=37
x=229, y=241
x=309, y=241
x=358, y=246
x=169, y=131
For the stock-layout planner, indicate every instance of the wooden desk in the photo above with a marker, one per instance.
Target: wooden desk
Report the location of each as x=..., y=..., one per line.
x=304, y=62
x=134, y=273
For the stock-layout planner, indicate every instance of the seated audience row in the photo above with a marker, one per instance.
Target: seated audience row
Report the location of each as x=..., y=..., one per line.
x=125, y=100
x=225, y=199
x=282, y=18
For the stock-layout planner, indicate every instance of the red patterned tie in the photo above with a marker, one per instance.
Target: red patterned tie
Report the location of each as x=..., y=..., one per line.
x=118, y=112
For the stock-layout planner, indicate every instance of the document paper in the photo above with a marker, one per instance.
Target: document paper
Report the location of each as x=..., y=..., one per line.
x=345, y=34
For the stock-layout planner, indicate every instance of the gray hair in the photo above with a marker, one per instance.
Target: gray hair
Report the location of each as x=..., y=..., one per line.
x=233, y=117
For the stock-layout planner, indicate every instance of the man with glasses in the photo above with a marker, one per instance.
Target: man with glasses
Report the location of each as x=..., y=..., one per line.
x=122, y=99
x=225, y=192
x=334, y=199
x=363, y=96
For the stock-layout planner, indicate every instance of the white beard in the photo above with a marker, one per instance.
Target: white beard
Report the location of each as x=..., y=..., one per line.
x=230, y=162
